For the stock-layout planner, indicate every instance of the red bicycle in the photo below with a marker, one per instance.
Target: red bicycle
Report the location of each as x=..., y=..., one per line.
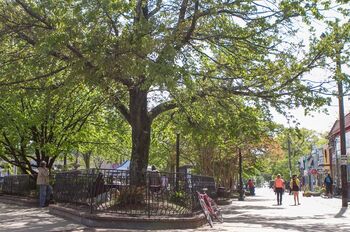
x=210, y=208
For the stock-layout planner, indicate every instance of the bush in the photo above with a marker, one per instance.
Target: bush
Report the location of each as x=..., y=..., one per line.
x=307, y=194
x=179, y=198
x=320, y=189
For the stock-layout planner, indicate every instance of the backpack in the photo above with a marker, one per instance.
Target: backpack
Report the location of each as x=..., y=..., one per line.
x=328, y=180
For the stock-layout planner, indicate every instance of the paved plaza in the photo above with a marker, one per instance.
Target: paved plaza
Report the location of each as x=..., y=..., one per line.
x=255, y=214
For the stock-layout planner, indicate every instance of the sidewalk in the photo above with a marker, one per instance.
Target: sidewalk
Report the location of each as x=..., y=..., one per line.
x=262, y=214
x=256, y=214
x=17, y=218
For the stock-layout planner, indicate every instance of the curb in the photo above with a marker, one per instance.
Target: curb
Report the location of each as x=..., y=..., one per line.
x=118, y=221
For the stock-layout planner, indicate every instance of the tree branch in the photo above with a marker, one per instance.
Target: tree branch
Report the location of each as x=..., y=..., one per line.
x=122, y=108
x=165, y=106
x=35, y=78
x=156, y=9
x=33, y=14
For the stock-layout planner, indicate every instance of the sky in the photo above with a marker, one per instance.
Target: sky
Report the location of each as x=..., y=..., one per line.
x=318, y=121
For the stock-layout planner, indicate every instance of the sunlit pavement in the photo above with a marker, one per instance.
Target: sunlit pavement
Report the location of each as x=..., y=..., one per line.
x=259, y=213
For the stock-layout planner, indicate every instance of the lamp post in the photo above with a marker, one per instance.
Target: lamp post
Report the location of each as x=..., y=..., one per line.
x=177, y=165
x=289, y=157
x=241, y=192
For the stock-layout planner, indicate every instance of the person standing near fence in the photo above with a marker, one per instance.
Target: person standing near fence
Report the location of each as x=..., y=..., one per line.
x=43, y=182
x=155, y=180
x=279, y=188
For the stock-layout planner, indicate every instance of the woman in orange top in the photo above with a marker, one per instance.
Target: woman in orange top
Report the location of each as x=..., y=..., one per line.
x=279, y=188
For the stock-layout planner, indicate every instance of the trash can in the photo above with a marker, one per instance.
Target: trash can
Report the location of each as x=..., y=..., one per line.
x=221, y=192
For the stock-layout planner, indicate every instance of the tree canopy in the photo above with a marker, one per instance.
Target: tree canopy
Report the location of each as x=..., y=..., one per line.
x=153, y=56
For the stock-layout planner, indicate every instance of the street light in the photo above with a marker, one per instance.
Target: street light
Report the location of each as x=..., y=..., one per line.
x=241, y=192
x=289, y=156
x=177, y=165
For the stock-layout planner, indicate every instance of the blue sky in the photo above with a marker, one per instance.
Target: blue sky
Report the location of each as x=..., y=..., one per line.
x=318, y=120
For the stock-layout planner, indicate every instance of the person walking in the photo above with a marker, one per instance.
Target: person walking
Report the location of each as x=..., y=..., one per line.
x=43, y=182
x=154, y=180
x=279, y=188
x=251, y=187
x=295, y=187
x=328, y=182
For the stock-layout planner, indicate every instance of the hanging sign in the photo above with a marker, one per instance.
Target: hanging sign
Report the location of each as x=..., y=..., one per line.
x=343, y=160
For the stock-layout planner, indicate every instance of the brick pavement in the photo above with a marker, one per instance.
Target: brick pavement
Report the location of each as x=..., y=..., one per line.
x=259, y=213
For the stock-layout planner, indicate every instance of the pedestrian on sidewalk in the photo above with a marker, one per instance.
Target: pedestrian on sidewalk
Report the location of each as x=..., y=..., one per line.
x=295, y=187
x=44, y=185
x=251, y=187
x=328, y=182
x=279, y=187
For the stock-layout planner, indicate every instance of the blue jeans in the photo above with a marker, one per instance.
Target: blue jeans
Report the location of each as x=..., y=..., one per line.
x=44, y=194
x=279, y=192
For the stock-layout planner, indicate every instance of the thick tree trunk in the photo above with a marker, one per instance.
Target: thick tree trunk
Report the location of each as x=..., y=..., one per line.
x=141, y=135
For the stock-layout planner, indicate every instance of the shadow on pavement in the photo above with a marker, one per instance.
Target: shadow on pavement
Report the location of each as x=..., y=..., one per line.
x=23, y=219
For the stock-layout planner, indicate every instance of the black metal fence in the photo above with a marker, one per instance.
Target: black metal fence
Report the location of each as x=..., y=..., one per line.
x=110, y=191
x=162, y=193
x=18, y=185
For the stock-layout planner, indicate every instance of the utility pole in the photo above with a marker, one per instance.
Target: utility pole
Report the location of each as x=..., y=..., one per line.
x=344, y=158
x=289, y=157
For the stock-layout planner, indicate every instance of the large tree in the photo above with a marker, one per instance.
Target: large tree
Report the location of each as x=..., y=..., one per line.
x=152, y=55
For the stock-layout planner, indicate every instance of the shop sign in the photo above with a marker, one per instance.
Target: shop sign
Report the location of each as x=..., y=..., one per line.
x=343, y=160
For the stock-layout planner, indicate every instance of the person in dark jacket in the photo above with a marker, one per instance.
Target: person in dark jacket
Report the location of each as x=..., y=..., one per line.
x=328, y=182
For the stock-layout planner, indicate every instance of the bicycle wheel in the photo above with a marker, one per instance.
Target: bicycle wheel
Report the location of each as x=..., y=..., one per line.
x=218, y=215
x=206, y=212
x=217, y=212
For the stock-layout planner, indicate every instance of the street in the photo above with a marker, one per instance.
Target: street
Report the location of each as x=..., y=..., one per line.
x=259, y=213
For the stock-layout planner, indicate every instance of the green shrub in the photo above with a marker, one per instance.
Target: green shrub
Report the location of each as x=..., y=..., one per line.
x=320, y=189
x=179, y=198
x=307, y=194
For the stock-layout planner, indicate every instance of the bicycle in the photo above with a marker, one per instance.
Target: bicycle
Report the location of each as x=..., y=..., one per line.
x=210, y=208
